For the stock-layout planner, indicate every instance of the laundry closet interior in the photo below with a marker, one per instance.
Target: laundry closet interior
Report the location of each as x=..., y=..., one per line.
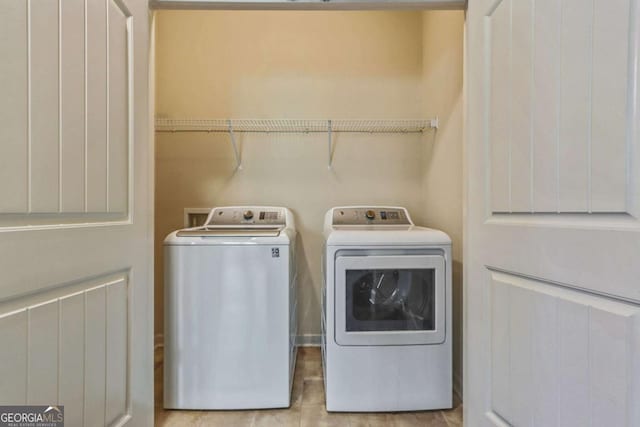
x=309, y=110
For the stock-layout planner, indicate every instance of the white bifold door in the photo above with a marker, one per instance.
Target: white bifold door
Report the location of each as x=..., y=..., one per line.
x=552, y=299
x=75, y=232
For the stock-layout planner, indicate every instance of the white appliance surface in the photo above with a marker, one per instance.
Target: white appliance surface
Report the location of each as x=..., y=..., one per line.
x=230, y=311
x=375, y=364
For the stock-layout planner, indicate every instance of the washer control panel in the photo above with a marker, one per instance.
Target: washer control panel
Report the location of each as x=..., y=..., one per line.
x=246, y=216
x=370, y=216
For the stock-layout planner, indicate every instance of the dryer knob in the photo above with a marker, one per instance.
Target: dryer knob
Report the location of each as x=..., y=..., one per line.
x=248, y=214
x=370, y=214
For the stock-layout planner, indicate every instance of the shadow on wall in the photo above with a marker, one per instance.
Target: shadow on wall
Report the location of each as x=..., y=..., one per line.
x=304, y=275
x=457, y=327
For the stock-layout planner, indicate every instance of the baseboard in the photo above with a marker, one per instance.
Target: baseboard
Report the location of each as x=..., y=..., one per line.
x=457, y=385
x=309, y=340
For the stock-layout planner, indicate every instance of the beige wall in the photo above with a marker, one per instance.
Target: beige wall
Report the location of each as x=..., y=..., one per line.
x=338, y=65
x=442, y=171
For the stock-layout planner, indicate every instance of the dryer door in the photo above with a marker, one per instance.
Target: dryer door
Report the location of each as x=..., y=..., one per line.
x=390, y=300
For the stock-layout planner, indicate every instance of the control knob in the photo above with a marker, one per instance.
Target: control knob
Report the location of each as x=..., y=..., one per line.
x=370, y=214
x=248, y=215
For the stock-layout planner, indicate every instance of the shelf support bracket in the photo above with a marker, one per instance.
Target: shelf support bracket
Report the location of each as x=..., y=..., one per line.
x=435, y=123
x=330, y=141
x=235, y=145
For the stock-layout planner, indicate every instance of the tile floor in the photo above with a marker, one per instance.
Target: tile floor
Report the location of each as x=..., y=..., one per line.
x=307, y=407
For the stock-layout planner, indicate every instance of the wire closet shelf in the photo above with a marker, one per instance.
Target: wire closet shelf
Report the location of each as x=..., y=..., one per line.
x=232, y=126
x=295, y=125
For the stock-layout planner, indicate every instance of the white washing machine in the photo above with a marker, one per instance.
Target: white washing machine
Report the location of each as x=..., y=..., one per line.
x=230, y=311
x=386, y=315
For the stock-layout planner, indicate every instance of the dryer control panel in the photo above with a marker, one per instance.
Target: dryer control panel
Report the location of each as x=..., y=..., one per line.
x=370, y=216
x=247, y=215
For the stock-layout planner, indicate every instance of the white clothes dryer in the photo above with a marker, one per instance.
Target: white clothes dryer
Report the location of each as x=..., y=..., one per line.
x=386, y=312
x=230, y=311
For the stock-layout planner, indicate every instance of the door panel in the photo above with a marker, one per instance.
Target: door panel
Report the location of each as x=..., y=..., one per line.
x=94, y=385
x=117, y=351
x=582, y=342
x=545, y=108
x=71, y=331
x=558, y=85
x=520, y=119
x=574, y=105
x=74, y=341
x=611, y=115
x=43, y=353
x=44, y=66
x=13, y=352
x=552, y=234
x=75, y=253
x=72, y=102
x=13, y=132
x=69, y=152
x=119, y=69
x=96, y=106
